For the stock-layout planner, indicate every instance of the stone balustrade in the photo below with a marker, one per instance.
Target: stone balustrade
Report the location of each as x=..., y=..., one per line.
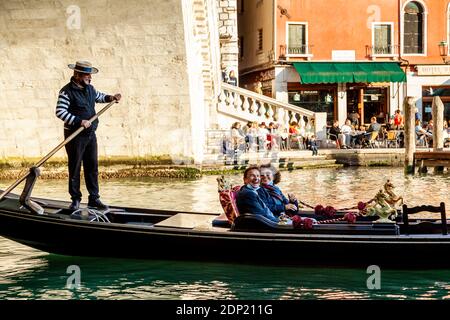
x=246, y=105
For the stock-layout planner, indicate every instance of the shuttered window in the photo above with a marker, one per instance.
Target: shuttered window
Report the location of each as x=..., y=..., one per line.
x=260, y=40
x=413, y=28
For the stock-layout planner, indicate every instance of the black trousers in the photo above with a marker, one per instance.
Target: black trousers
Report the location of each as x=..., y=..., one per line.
x=83, y=149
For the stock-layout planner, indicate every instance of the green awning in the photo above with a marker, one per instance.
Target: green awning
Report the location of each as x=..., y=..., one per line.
x=334, y=72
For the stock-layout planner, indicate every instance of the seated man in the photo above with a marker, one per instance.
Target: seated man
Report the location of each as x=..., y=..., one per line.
x=423, y=134
x=374, y=127
x=249, y=200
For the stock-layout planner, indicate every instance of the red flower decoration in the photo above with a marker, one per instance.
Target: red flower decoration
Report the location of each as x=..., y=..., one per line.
x=319, y=210
x=297, y=222
x=308, y=223
x=350, y=217
x=302, y=223
x=361, y=205
x=329, y=211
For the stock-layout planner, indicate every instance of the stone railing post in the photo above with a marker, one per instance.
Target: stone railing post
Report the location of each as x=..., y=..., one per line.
x=320, y=125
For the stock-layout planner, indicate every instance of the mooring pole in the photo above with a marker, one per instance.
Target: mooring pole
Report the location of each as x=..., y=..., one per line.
x=438, y=127
x=410, y=134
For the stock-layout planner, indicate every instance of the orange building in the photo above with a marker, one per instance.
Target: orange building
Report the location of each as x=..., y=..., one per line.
x=337, y=56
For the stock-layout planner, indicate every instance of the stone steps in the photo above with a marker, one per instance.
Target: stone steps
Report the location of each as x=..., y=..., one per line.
x=283, y=159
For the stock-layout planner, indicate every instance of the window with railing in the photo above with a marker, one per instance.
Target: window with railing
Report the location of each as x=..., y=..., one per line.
x=297, y=40
x=382, y=35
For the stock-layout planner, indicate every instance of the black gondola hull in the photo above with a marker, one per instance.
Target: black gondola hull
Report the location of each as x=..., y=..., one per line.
x=83, y=238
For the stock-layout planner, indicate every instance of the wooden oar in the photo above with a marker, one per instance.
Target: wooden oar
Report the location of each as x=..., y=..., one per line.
x=51, y=153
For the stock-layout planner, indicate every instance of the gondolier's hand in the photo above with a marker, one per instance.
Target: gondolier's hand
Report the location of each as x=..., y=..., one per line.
x=117, y=97
x=85, y=123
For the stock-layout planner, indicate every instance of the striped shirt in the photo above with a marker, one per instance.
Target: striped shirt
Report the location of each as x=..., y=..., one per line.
x=76, y=104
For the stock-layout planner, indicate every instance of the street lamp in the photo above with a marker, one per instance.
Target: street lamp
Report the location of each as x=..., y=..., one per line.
x=443, y=50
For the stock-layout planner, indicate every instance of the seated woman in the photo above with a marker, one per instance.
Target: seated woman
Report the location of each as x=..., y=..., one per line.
x=278, y=203
x=335, y=131
x=346, y=131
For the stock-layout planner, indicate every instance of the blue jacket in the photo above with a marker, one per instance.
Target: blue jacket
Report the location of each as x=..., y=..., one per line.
x=278, y=200
x=76, y=104
x=275, y=204
x=249, y=201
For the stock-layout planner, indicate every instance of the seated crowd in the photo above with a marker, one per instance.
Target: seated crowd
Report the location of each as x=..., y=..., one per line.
x=352, y=136
x=256, y=137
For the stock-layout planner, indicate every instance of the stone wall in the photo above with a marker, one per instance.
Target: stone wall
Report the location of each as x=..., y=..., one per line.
x=140, y=47
x=228, y=34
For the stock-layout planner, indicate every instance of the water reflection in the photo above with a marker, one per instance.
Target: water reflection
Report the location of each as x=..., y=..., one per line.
x=336, y=187
x=44, y=277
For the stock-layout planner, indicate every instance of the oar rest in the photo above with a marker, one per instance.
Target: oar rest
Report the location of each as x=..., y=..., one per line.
x=26, y=193
x=252, y=222
x=406, y=228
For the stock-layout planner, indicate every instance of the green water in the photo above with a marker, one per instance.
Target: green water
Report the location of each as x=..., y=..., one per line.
x=30, y=274
x=26, y=273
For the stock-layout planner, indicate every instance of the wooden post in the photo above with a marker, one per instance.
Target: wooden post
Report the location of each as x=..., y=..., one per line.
x=438, y=124
x=438, y=127
x=361, y=104
x=410, y=134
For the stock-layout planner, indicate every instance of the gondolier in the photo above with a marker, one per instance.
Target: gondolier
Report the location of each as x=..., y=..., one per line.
x=76, y=104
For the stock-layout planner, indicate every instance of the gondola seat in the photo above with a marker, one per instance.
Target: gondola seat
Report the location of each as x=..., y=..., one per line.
x=228, y=202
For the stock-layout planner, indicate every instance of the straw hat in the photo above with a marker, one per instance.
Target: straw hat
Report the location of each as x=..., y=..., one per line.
x=83, y=67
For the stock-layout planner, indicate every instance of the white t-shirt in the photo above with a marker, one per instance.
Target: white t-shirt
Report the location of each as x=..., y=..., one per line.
x=346, y=129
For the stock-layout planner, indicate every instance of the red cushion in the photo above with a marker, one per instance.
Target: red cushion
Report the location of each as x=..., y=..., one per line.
x=228, y=202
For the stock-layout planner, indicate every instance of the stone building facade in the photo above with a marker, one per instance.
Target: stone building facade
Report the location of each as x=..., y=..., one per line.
x=162, y=55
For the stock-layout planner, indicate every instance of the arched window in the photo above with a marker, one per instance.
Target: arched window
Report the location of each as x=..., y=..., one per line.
x=413, y=26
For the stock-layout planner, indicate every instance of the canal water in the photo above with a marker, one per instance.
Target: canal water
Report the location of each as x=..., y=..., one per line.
x=27, y=273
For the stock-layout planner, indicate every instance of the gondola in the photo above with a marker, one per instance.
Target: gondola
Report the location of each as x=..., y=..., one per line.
x=128, y=232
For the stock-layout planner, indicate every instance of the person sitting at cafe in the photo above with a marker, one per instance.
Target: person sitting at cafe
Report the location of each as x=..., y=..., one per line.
x=335, y=131
x=278, y=203
x=423, y=134
x=429, y=127
x=346, y=131
x=354, y=118
x=398, y=120
x=250, y=199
